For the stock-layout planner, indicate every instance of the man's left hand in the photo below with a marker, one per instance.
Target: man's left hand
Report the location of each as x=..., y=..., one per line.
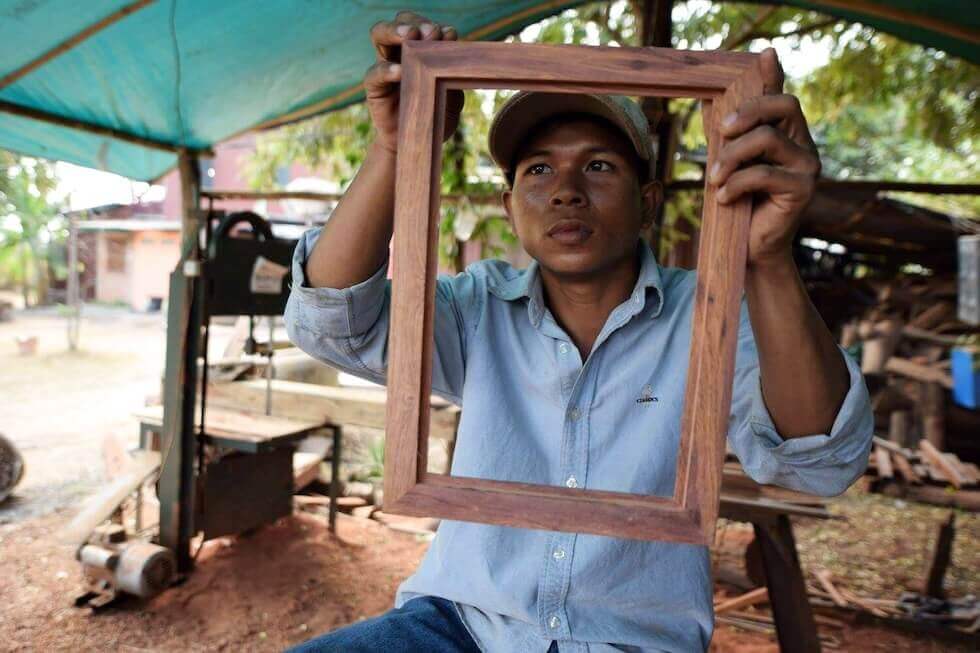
x=771, y=155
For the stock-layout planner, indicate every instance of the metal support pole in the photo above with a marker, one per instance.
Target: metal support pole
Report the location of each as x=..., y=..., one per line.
x=176, y=484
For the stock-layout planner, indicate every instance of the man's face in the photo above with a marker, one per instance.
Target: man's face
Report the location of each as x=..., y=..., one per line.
x=576, y=202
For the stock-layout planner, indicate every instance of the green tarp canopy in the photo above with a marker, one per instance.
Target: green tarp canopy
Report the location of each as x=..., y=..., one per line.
x=154, y=75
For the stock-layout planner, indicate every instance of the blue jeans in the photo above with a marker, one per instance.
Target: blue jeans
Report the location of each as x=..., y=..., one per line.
x=426, y=623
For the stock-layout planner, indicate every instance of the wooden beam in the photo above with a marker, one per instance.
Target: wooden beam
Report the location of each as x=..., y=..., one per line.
x=919, y=371
x=254, y=195
x=98, y=130
x=758, y=595
x=942, y=553
x=882, y=185
x=791, y=611
x=72, y=41
x=938, y=460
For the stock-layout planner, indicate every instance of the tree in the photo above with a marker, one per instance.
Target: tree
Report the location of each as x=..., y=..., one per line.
x=29, y=222
x=880, y=108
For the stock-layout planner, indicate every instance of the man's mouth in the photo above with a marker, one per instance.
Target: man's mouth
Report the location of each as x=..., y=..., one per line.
x=570, y=232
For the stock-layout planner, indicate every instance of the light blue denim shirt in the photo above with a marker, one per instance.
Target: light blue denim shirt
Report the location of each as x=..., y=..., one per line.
x=533, y=411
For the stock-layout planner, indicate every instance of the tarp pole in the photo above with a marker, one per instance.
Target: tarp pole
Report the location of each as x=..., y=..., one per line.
x=74, y=40
x=98, y=130
x=176, y=486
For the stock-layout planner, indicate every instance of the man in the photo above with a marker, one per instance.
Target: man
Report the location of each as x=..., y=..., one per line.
x=572, y=372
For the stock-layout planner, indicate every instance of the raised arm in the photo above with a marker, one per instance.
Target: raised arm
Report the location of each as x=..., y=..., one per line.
x=354, y=242
x=772, y=156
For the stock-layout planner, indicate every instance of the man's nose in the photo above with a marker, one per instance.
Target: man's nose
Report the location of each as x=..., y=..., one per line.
x=568, y=191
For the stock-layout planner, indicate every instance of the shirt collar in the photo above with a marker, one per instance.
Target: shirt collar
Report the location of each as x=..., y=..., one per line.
x=527, y=284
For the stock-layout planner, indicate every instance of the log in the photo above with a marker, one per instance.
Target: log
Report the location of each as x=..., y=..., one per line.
x=824, y=577
x=878, y=350
x=905, y=470
x=306, y=468
x=933, y=316
x=898, y=427
x=939, y=561
x=893, y=447
x=918, y=371
x=936, y=458
x=934, y=414
x=884, y=463
x=753, y=597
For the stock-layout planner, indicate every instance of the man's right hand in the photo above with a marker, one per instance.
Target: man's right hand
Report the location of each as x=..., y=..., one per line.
x=383, y=79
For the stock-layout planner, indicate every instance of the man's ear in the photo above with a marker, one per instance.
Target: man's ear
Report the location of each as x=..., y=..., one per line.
x=506, y=198
x=651, y=195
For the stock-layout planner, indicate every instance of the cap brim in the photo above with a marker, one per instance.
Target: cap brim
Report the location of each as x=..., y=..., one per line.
x=525, y=110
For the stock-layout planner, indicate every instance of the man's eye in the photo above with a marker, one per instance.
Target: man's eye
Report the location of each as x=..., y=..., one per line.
x=538, y=169
x=600, y=166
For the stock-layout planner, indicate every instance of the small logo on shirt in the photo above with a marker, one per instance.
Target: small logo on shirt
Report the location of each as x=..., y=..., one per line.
x=646, y=397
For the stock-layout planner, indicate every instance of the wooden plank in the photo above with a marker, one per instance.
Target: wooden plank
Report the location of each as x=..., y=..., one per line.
x=758, y=595
x=795, y=626
x=306, y=468
x=893, y=447
x=825, y=579
x=884, y=463
x=348, y=406
x=722, y=256
x=898, y=427
x=905, y=469
x=228, y=423
x=964, y=499
x=428, y=70
x=968, y=472
x=942, y=552
x=100, y=507
x=919, y=372
x=935, y=457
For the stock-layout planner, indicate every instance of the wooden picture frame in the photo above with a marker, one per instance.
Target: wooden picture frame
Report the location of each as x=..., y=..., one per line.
x=722, y=80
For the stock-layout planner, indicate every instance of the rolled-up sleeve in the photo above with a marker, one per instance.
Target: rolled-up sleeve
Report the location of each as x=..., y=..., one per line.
x=347, y=328
x=824, y=464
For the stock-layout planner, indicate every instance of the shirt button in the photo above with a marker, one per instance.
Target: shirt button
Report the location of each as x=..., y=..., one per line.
x=563, y=348
x=571, y=482
x=554, y=622
x=574, y=413
x=558, y=553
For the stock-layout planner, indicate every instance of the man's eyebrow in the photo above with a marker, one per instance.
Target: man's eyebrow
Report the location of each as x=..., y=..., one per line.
x=599, y=149
x=534, y=153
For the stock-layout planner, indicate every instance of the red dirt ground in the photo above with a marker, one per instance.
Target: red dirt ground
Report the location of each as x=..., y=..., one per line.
x=277, y=587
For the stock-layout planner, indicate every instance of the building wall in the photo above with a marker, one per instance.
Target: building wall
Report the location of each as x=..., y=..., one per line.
x=112, y=261
x=134, y=267
x=228, y=166
x=153, y=255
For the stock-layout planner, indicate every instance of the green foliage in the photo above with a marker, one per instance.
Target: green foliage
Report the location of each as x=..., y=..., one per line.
x=29, y=222
x=880, y=108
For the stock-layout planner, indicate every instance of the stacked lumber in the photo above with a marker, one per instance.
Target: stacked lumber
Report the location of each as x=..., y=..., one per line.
x=836, y=607
x=924, y=474
x=903, y=341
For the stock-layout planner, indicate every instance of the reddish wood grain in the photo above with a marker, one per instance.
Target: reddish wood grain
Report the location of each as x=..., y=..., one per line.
x=721, y=275
x=428, y=70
